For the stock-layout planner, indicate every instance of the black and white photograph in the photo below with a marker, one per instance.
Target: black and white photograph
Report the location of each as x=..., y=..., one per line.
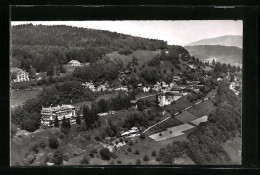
x=126, y=92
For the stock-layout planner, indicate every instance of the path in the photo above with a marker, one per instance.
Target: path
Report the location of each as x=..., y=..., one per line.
x=145, y=96
x=176, y=114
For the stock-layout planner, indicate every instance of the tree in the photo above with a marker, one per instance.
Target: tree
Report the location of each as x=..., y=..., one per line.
x=142, y=136
x=238, y=69
x=50, y=70
x=154, y=154
x=140, y=105
x=105, y=154
x=156, y=100
x=53, y=142
x=85, y=160
x=58, y=157
x=138, y=162
x=146, y=158
x=78, y=120
x=56, y=122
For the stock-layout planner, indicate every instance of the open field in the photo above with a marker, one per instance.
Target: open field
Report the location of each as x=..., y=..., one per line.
x=171, y=122
x=88, y=103
x=171, y=132
x=20, y=96
x=203, y=108
x=185, y=117
x=200, y=120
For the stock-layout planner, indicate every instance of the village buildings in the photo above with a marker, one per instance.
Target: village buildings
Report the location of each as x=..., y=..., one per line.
x=49, y=114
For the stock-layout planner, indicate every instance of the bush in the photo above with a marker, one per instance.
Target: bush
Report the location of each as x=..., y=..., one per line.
x=97, y=138
x=160, y=134
x=58, y=157
x=66, y=157
x=85, y=160
x=30, y=158
x=146, y=158
x=154, y=154
x=42, y=144
x=138, y=162
x=131, y=143
x=35, y=148
x=49, y=157
x=119, y=162
x=105, y=154
x=53, y=142
x=129, y=149
x=142, y=136
x=91, y=154
x=137, y=152
x=158, y=159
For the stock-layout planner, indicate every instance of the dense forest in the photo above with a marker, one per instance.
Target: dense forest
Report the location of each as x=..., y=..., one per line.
x=42, y=45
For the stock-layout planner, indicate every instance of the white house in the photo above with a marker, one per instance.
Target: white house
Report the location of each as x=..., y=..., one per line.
x=90, y=86
x=165, y=99
x=20, y=75
x=219, y=79
x=176, y=78
x=210, y=60
x=49, y=114
x=146, y=89
x=74, y=63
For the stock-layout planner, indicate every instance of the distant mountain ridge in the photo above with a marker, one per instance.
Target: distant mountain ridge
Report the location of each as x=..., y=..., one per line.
x=224, y=54
x=227, y=40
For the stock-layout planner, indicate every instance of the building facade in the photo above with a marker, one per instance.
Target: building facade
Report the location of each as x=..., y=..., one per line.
x=74, y=63
x=20, y=75
x=49, y=114
x=165, y=99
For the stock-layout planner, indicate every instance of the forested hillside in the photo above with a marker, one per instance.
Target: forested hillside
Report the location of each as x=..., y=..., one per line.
x=43, y=46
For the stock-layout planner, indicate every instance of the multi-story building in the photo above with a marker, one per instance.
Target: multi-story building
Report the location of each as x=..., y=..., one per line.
x=49, y=114
x=20, y=75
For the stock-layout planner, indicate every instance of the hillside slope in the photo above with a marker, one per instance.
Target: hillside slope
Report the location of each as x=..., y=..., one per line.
x=39, y=46
x=227, y=40
x=224, y=54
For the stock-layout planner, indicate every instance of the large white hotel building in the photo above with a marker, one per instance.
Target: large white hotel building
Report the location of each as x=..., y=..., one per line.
x=49, y=114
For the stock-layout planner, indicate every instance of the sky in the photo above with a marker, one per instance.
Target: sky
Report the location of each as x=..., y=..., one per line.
x=174, y=32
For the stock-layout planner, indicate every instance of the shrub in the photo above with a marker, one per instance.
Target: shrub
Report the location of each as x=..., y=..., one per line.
x=42, y=144
x=97, y=138
x=105, y=154
x=53, y=142
x=129, y=149
x=158, y=159
x=30, y=159
x=160, y=134
x=66, y=157
x=35, y=148
x=137, y=152
x=146, y=158
x=154, y=154
x=119, y=161
x=138, y=162
x=49, y=157
x=58, y=157
x=85, y=160
x=142, y=136
x=91, y=154
x=131, y=143
x=125, y=51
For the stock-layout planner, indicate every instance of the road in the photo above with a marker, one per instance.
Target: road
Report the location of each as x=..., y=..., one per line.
x=146, y=96
x=176, y=113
